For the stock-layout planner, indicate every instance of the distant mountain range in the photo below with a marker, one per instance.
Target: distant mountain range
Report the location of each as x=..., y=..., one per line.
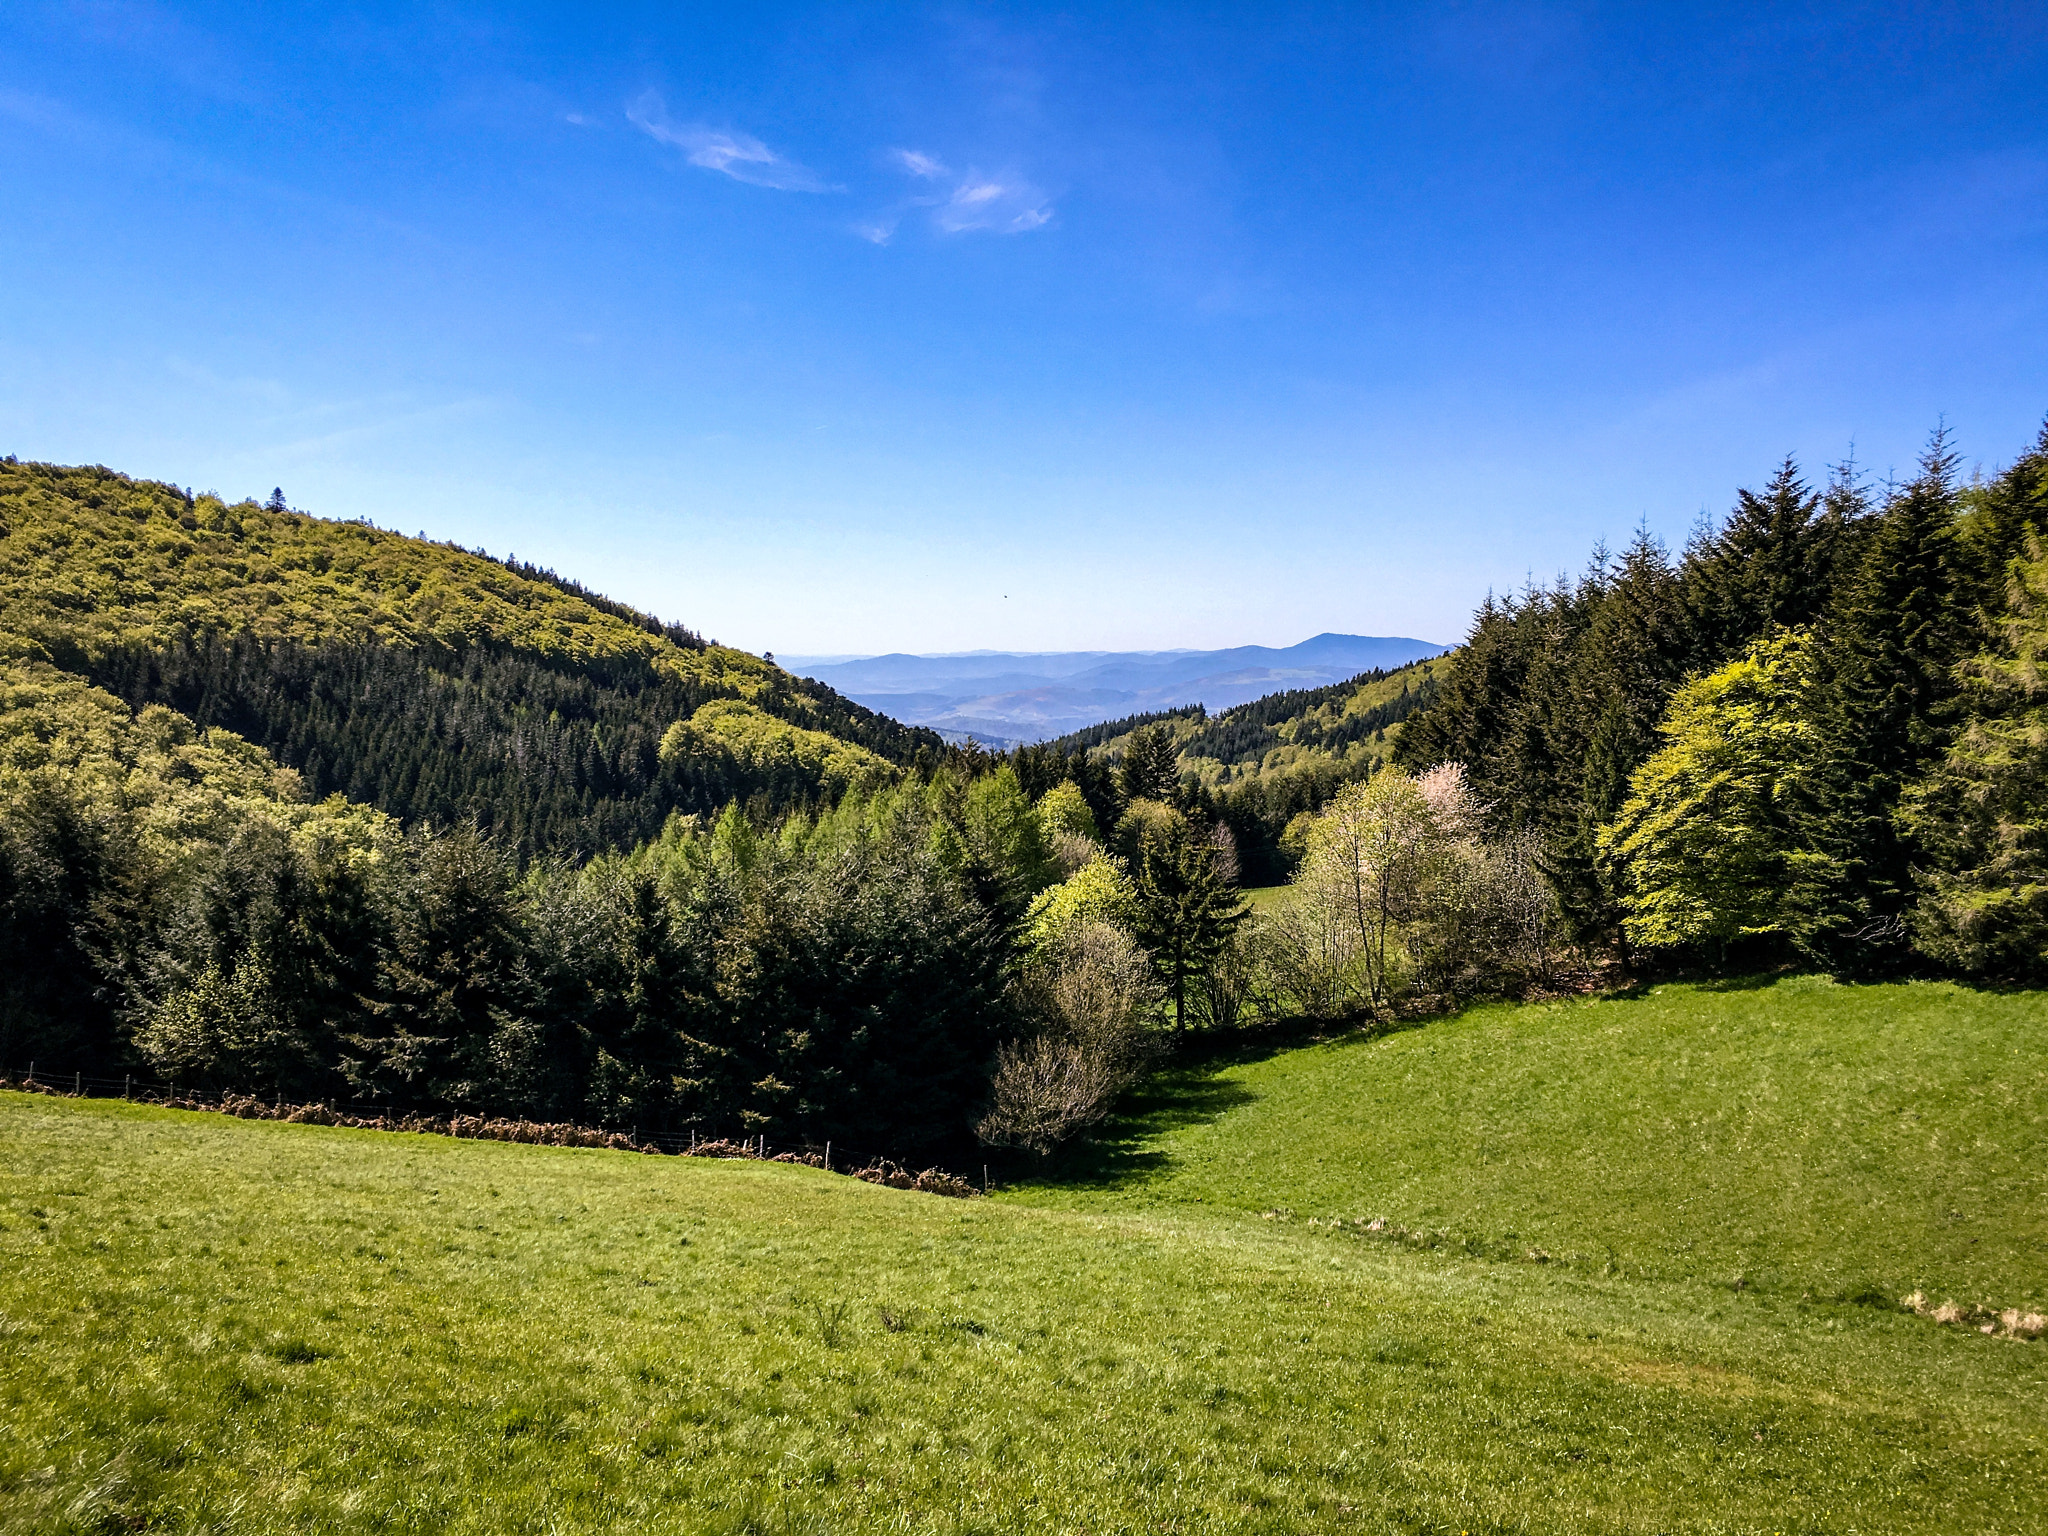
x=1005, y=698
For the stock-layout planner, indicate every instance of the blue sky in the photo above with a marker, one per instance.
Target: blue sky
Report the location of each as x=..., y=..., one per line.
x=865, y=328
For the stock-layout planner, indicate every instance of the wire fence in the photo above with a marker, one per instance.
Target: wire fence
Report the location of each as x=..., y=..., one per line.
x=387, y=1116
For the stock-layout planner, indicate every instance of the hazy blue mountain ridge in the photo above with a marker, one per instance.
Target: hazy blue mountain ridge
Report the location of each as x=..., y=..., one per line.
x=1003, y=698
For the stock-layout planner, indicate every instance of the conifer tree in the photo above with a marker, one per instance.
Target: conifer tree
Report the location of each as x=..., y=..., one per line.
x=1894, y=640
x=1151, y=766
x=1768, y=568
x=1186, y=911
x=1981, y=815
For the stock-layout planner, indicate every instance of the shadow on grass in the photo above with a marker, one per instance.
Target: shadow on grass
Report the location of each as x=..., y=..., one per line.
x=1189, y=1090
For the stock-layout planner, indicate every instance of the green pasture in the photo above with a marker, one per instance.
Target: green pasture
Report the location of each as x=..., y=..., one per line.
x=216, y=1325
x=1797, y=1136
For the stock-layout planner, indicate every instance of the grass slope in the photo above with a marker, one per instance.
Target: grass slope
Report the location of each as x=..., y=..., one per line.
x=209, y=1324
x=1801, y=1136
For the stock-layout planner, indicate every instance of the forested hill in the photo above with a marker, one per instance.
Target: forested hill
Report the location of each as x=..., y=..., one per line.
x=432, y=682
x=1258, y=766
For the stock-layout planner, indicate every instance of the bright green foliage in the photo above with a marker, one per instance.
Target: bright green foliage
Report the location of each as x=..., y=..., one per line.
x=1982, y=814
x=181, y=782
x=1003, y=827
x=1099, y=891
x=1552, y=705
x=97, y=560
x=1705, y=845
x=1064, y=809
x=1255, y=767
x=438, y=685
x=772, y=751
x=236, y=1326
x=117, y=832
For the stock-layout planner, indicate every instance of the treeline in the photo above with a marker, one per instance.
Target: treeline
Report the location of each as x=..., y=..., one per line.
x=1816, y=734
x=839, y=976
x=1266, y=814
x=172, y=901
x=1092, y=736
x=1247, y=732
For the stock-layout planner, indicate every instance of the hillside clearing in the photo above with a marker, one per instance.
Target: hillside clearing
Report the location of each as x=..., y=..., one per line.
x=1797, y=1136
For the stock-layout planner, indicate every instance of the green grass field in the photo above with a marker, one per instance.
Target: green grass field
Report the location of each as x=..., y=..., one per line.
x=218, y=1325
x=1801, y=1137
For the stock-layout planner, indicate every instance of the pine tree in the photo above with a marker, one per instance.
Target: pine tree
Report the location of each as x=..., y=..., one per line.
x=1998, y=522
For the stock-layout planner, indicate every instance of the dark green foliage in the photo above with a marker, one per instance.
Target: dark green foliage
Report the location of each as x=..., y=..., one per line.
x=1109, y=730
x=1186, y=912
x=74, y=898
x=1895, y=636
x=1040, y=767
x=1997, y=523
x=426, y=679
x=1772, y=565
x=1150, y=769
x=308, y=918
x=866, y=1010
x=550, y=758
x=451, y=970
x=1554, y=700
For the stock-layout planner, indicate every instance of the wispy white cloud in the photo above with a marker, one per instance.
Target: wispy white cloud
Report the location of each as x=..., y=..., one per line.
x=918, y=163
x=1000, y=206
x=738, y=155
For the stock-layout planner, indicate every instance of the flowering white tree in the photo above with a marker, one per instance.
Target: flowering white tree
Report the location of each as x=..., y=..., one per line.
x=1401, y=889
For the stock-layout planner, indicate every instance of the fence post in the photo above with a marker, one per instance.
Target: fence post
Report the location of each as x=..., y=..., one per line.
x=828, y=1157
x=31, y=1071
x=127, y=1085
x=984, y=1178
x=78, y=1085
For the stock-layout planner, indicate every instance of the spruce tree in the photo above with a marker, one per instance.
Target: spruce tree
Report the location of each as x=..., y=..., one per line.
x=1895, y=636
x=1186, y=911
x=1151, y=766
x=1769, y=568
x=1981, y=815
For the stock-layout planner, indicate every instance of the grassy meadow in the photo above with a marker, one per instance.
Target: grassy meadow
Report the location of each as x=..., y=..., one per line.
x=1799, y=1137
x=217, y=1325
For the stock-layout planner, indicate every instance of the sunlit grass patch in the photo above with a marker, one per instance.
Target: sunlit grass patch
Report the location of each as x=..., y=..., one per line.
x=226, y=1325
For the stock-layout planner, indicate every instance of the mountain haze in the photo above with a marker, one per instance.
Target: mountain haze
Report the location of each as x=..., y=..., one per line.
x=1005, y=698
